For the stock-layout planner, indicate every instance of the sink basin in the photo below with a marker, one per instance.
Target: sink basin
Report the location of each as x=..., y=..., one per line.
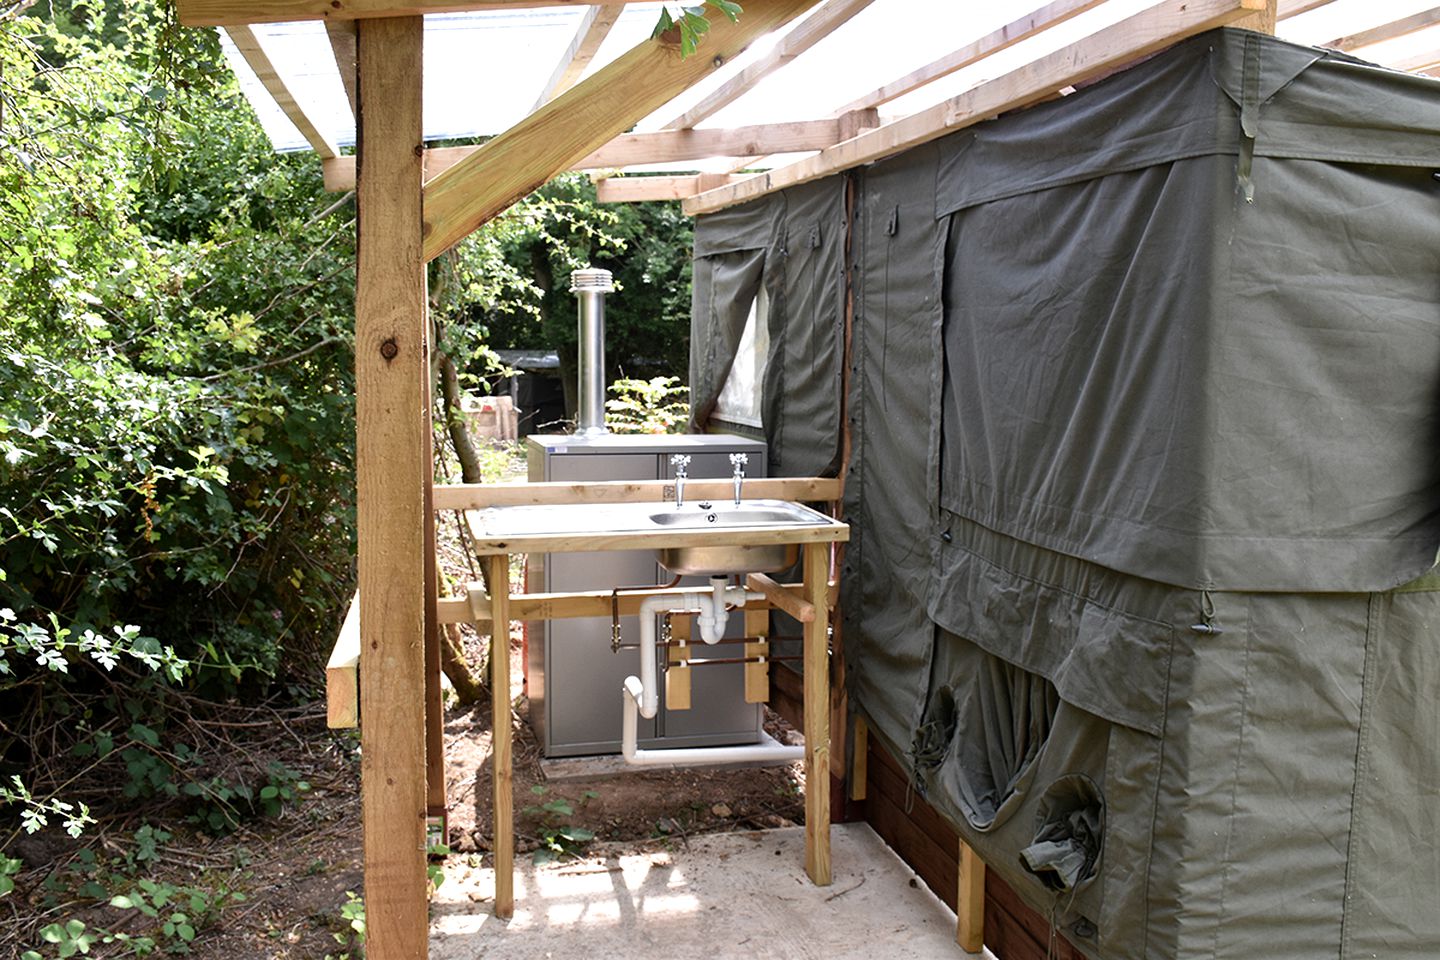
x=718, y=560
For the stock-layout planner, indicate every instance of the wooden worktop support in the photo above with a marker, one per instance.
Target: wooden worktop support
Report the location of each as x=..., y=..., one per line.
x=497, y=570
x=970, y=901
x=817, y=717
x=392, y=472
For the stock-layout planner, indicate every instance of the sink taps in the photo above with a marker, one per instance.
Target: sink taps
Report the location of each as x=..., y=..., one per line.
x=680, y=462
x=738, y=461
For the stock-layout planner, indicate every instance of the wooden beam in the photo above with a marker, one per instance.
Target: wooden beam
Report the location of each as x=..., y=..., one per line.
x=1387, y=31
x=1007, y=36
x=757, y=675
x=594, y=28
x=970, y=902
x=391, y=474
x=805, y=35
x=650, y=189
x=224, y=13
x=342, y=682
x=1148, y=31
x=664, y=146
x=475, y=496
x=816, y=564
x=594, y=112
x=781, y=598
x=248, y=44
x=342, y=45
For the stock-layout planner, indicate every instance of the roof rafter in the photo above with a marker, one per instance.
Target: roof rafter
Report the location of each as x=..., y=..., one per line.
x=1293, y=8
x=594, y=28
x=1144, y=33
x=662, y=146
x=592, y=113
x=1012, y=33
x=248, y=44
x=806, y=34
x=226, y=13
x=1423, y=63
x=1388, y=31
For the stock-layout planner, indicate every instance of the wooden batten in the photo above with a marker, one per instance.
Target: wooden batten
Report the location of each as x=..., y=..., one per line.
x=1146, y=32
x=1293, y=8
x=475, y=608
x=1012, y=33
x=650, y=189
x=224, y=13
x=590, y=114
x=805, y=35
x=1388, y=31
x=248, y=44
x=594, y=28
x=678, y=675
x=392, y=471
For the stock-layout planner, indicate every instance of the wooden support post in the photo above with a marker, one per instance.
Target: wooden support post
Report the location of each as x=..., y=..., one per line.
x=502, y=814
x=817, y=718
x=757, y=675
x=970, y=903
x=678, y=679
x=860, y=764
x=392, y=473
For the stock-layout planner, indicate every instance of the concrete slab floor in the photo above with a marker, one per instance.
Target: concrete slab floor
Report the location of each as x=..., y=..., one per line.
x=736, y=895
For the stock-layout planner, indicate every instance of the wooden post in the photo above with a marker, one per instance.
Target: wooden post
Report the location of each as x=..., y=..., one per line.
x=860, y=765
x=970, y=902
x=392, y=473
x=498, y=568
x=817, y=717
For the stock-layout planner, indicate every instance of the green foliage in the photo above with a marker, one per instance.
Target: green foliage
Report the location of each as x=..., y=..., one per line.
x=657, y=405
x=558, y=837
x=351, y=936
x=647, y=248
x=35, y=813
x=691, y=23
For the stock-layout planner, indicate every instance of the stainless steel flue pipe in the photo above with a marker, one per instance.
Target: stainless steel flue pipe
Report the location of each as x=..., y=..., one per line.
x=590, y=286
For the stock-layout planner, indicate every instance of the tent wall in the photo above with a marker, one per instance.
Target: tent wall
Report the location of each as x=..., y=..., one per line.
x=1144, y=489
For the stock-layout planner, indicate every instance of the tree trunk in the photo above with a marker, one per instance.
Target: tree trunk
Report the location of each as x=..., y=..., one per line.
x=455, y=424
x=468, y=688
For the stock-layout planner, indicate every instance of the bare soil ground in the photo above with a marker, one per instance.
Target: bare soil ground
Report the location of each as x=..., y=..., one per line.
x=297, y=871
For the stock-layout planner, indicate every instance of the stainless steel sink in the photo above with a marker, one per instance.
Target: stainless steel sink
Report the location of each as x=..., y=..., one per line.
x=713, y=560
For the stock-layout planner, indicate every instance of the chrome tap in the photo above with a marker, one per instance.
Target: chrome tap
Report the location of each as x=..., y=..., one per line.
x=680, y=462
x=738, y=461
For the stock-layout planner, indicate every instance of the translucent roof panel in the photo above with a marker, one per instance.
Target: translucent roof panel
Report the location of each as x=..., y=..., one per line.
x=485, y=71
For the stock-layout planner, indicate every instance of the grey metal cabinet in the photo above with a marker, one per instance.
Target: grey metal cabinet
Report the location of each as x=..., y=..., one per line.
x=572, y=678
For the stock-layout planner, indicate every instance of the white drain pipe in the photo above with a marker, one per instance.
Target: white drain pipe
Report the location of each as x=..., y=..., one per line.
x=641, y=695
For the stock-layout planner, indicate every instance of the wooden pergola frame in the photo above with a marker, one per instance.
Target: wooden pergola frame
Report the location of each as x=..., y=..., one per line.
x=414, y=204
